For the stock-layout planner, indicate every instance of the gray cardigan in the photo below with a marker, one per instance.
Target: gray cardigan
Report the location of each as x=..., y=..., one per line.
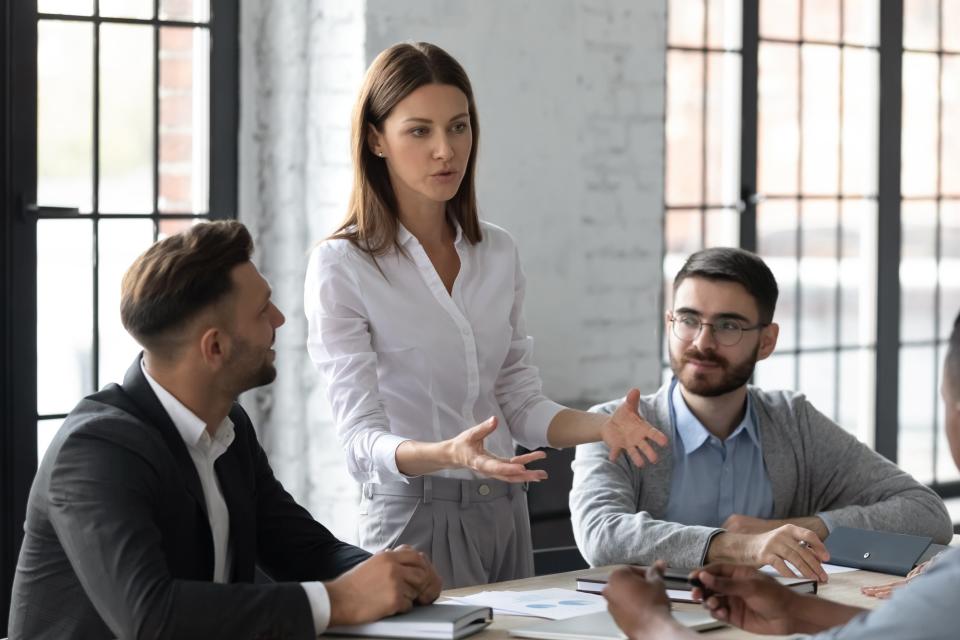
x=814, y=467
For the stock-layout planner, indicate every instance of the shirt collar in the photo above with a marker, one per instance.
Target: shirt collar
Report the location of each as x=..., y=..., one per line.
x=692, y=432
x=192, y=429
x=404, y=236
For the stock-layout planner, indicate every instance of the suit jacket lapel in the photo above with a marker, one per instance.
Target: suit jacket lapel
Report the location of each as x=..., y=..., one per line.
x=138, y=389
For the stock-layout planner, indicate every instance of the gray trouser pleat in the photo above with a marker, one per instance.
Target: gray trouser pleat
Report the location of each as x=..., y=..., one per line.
x=474, y=531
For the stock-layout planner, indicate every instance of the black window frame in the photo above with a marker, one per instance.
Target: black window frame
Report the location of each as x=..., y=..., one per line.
x=18, y=254
x=889, y=236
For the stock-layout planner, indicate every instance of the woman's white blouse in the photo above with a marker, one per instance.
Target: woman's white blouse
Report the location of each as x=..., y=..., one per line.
x=403, y=359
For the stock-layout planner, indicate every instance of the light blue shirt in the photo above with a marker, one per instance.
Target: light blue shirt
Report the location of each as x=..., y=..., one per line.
x=712, y=478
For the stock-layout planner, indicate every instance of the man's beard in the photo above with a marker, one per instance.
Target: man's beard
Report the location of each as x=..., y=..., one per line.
x=250, y=366
x=734, y=376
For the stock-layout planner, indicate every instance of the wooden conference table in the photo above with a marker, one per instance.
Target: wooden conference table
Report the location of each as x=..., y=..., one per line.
x=842, y=587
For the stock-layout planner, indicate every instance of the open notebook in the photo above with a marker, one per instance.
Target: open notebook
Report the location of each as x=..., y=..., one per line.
x=600, y=626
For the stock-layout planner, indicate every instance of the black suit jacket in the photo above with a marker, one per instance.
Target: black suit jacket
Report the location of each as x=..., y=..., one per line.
x=118, y=544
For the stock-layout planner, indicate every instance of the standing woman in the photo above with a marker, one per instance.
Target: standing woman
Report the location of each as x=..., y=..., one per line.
x=415, y=320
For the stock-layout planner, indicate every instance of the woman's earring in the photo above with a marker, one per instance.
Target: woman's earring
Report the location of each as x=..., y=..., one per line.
x=380, y=154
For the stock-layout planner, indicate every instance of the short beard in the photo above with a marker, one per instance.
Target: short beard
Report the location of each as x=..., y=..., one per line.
x=735, y=376
x=261, y=372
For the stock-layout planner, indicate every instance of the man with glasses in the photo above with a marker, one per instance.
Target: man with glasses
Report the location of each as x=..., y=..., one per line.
x=750, y=476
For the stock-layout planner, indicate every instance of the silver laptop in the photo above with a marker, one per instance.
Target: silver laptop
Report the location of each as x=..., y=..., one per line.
x=600, y=626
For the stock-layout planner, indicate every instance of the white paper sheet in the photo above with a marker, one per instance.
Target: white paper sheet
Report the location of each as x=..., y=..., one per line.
x=553, y=604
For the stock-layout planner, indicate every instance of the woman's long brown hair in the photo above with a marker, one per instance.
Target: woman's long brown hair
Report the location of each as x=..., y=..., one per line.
x=372, y=217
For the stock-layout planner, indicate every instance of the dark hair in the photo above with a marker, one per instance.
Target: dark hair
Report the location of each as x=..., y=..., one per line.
x=372, y=218
x=180, y=276
x=952, y=362
x=730, y=264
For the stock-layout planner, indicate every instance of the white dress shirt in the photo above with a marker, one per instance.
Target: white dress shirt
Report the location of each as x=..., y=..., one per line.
x=204, y=452
x=404, y=359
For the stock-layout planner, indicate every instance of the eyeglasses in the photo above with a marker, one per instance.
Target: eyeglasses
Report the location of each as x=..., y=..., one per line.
x=726, y=332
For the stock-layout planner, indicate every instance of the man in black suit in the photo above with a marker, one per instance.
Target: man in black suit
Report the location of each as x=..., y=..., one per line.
x=155, y=501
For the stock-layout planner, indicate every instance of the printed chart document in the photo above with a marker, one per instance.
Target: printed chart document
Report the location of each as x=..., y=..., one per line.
x=555, y=604
x=439, y=621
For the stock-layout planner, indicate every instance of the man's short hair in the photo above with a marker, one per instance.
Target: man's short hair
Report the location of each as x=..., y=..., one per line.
x=953, y=359
x=179, y=277
x=730, y=264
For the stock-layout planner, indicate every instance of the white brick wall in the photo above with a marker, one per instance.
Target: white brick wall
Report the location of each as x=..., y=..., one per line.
x=571, y=104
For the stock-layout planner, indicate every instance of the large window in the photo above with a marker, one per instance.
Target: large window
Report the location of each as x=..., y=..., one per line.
x=119, y=127
x=123, y=157
x=791, y=170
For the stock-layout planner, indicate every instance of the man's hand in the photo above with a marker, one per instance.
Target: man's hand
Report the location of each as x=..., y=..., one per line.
x=788, y=543
x=390, y=582
x=467, y=451
x=884, y=591
x=738, y=523
x=637, y=600
x=626, y=431
x=747, y=598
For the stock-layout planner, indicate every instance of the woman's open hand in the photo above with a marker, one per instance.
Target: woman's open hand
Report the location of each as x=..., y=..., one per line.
x=626, y=431
x=467, y=451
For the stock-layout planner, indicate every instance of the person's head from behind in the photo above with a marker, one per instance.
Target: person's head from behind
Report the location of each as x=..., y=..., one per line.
x=721, y=322
x=414, y=138
x=196, y=299
x=950, y=391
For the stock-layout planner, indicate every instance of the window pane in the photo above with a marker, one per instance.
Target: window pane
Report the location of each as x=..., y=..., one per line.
x=860, y=125
x=776, y=372
x=126, y=118
x=918, y=270
x=777, y=244
x=780, y=19
x=915, y=439
x=920, y=89
x=121, y=241
x=818, y=380
x=821, y=20
x=724, y=23
x=950, y=144
x=684, y=127
x=949, y=265
x=685, y=23
x=184, y=119
x=723, y=128
x=46, y=430
x=195, y=10
x=170, y=226
x=723, y=228
x=66, y=7
x=818, y=274
x=861, y=22
x=65, y=114
x=683, y=232
x=778, y=117
x=951, y=25
x=64, y=313
x=921, y=24
x=127, y=8
x=856, y=378
x=858, y=274
x=821, y=119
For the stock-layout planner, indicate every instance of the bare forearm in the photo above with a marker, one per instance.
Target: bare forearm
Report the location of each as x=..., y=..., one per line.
x=728, y=547
x=812, y=614
x=813, y=523
x=416, y=458
x=571, y=427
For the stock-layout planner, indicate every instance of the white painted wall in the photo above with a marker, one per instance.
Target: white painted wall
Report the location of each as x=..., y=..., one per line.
x=571, y=104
